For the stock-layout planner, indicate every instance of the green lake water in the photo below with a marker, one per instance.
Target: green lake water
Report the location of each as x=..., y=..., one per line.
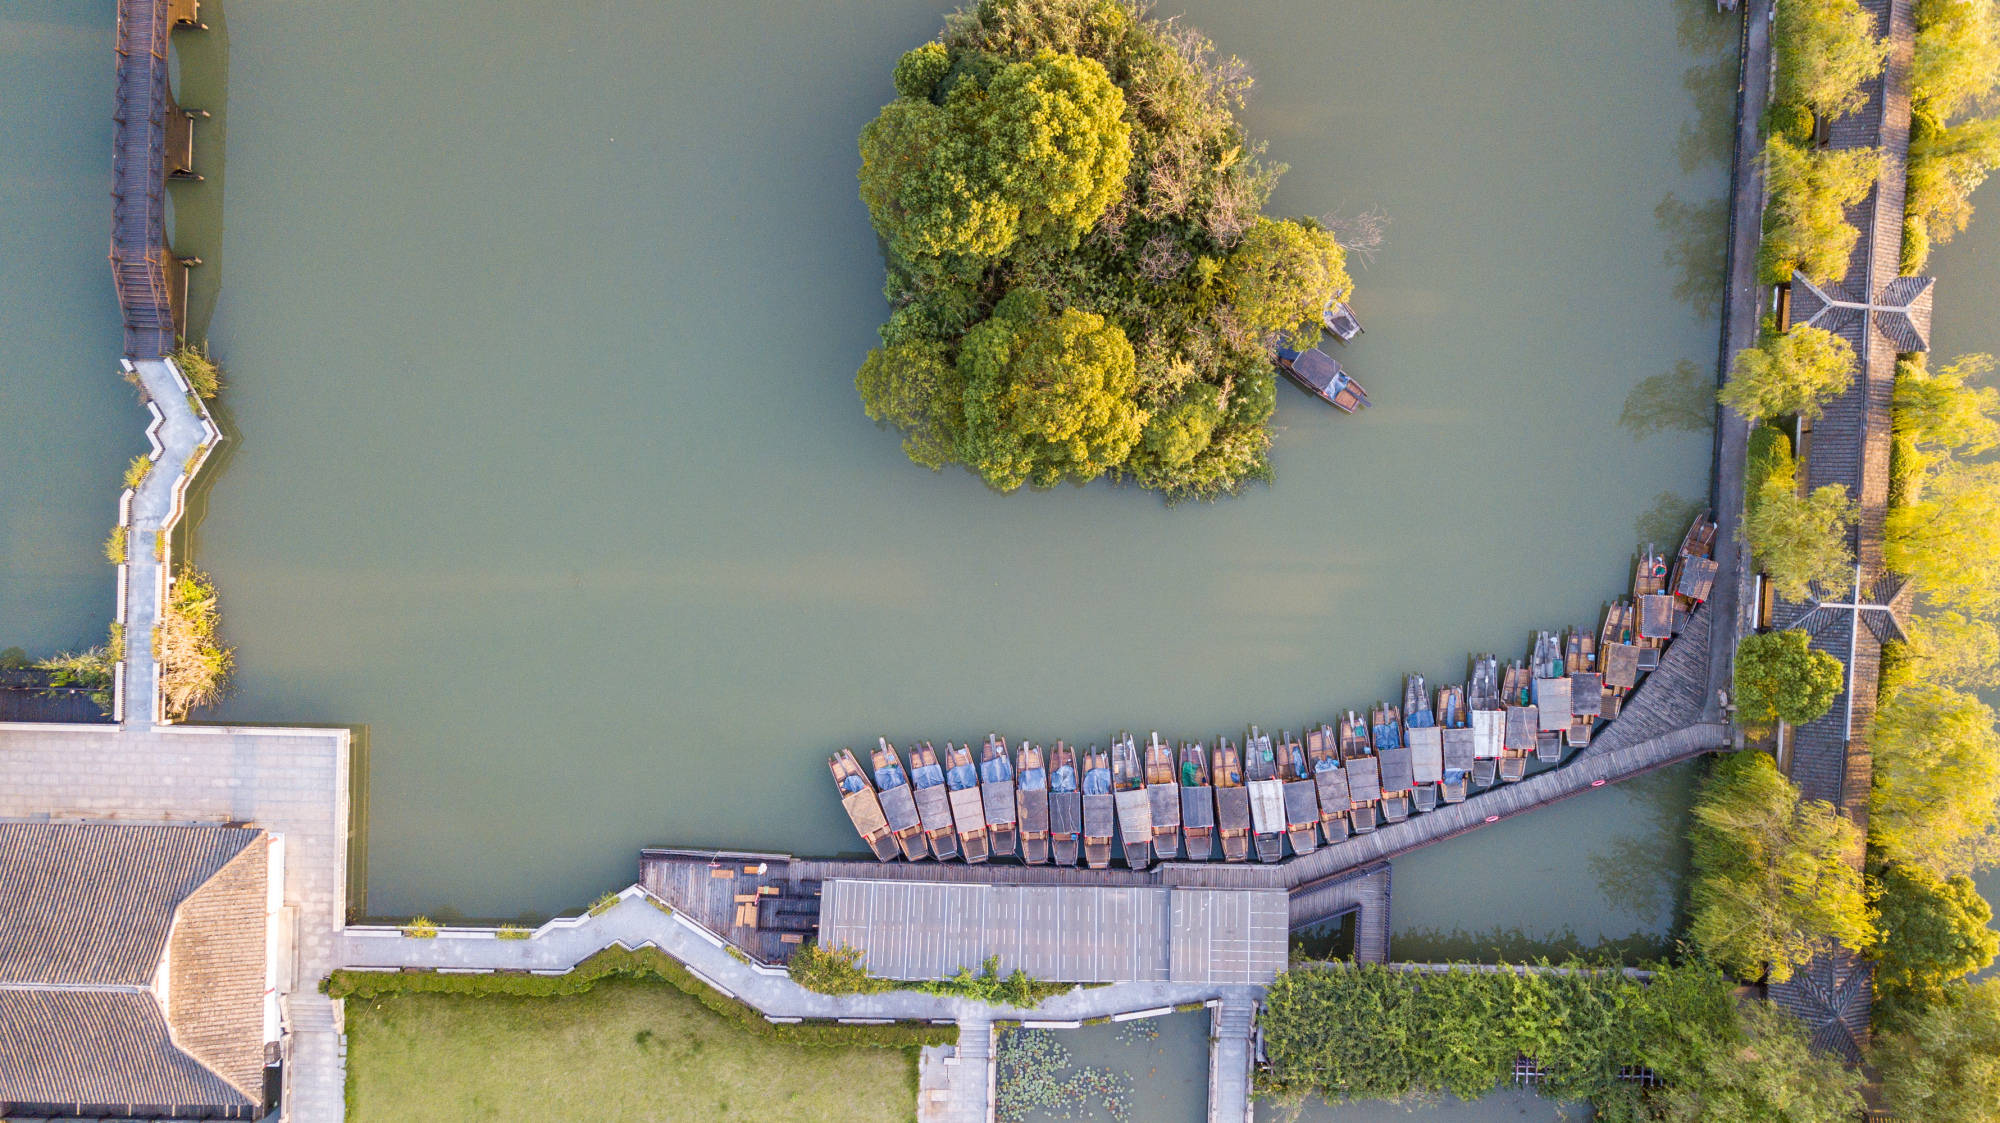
x=548, y=471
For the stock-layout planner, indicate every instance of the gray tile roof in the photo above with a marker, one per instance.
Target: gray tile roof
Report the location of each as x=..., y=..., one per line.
x=132, y=965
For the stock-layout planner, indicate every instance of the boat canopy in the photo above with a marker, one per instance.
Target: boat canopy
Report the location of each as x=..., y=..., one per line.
x=1458, y=749
x=1427, y=754
x=1034, y=779
x=962, y=775
x=1488, y=733
x=929, y=775
x=994, y=769
x=851, y=783
x=1135, y=814
x=1063, y=779
x=1097, y=781
x=1552, y=700
x=1267, y=806
x=889, y=776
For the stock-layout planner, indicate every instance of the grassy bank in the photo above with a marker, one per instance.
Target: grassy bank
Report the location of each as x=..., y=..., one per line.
x=625, y=1050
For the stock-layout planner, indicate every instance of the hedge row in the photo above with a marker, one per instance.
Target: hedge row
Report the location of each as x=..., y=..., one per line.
x=647, y=964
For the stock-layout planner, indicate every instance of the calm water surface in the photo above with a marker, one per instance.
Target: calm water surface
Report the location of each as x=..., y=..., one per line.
x=550, y=473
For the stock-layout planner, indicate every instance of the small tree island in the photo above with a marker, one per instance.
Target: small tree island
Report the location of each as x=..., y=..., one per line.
x=1081, y=278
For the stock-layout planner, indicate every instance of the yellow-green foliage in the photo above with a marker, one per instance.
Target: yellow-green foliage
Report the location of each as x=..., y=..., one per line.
x=194, y=663
x=1936, y=798
x=1945, y=1067
x=1799, y=540
x=1826, y=50
x=1945, y=170
x=1957, y=61
x=1770, y=454
x=1774, y=881
x=1793, y=373
x=1780, y=676
x=1805, y=226
x=137, y=470
x=114, y=546
x=833, y=971
x=202, y=371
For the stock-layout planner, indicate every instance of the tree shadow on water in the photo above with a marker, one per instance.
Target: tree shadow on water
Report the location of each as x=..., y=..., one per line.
x=1667, y=519
x=1705, y=138
x=1680, y=400
x=1643, y=870
x=1696, y=249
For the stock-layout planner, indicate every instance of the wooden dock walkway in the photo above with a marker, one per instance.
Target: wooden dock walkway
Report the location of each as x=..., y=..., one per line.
x=1662, y=724
x=1849, y=446
x=151, y=281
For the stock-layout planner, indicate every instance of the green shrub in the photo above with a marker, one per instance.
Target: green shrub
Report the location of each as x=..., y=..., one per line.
x=648, y=964
x=512, y=932
x=137, y=471
x=1916, y=245
x=1791, y=121
x=421, y=929
x=604, y=904
x=1780, y=677
x=202, y=372
x=833, y=971
x=1770, y=454
x=114, y=546
x=1016, y=988
x=194, y=663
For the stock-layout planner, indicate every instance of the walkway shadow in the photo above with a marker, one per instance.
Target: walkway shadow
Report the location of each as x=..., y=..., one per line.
x=1681, y=400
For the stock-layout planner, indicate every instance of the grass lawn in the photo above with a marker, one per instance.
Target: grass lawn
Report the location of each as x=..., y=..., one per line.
x=624, y=1051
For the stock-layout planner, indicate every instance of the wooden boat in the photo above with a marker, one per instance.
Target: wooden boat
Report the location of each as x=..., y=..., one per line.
x=1232, y=802
x=1398, y=775
x=1580, y=653
x=1457, y=739
x=1197, y=802
x=1267, y=796
x=1364, y=773
x=899, y=803
x=1323, y=751
x=1031, y=800
x=1489, y=720
x=1135, y=808
x=1655, y=619
x=1586, y=687
x=1340, y=321
x=1320, y=375
x=1618, y=656
x=1301, y=798
x=1065, y=806
x=933, y=800
x=1098, y=826
x=857, y=795
x=1426, y=742
x=1163, y=791
x=996, y=794
x=1695, y=567
x=1523, y=722
x=1552, y=693
x=961, y=775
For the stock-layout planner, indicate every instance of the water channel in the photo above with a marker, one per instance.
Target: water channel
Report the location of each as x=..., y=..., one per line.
x=548, y=469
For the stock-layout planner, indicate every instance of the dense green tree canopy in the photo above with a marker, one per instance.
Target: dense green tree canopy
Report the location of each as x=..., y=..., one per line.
x=1079, y=151
x=1048, y=395
x=1826, y=49
x=1930, y=932
x=1283, y=276
x=1946, y=1067
x=1796, y=372
x=1774, y=881
x=1780, y=677
x=1767, y=1070
x=1948, y=540
x=1946, y=167
x=1937, y=780
x=1805, y=225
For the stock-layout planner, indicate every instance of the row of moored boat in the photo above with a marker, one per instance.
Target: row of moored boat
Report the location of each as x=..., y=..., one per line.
x=1166, y=802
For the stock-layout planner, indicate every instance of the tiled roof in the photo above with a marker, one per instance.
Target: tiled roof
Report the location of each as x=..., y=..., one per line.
x=100, y=1048
x=90, y=914
x=90, y=903
x=1903, y=312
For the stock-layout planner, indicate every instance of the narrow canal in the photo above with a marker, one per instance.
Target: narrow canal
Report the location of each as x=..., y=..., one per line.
x=549, y=471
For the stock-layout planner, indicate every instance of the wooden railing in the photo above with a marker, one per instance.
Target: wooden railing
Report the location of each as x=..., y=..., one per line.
x=140, y=260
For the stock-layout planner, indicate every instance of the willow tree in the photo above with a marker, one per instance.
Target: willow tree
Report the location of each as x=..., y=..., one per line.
x=1826, y=50
x=1956, y=64
x=1793, y=372
x=1774, y=880
x=1945, y=1067
x=1799, y=540
x=1935, y=802
x=1805, y=225
x=1948, y=540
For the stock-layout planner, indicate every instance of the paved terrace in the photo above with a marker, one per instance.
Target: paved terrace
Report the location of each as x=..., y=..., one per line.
x=291, y=782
